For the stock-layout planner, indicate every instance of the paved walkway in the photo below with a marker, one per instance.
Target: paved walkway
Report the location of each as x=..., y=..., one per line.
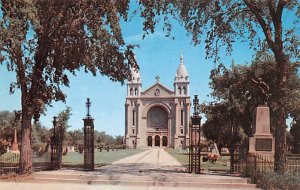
x=151, y=169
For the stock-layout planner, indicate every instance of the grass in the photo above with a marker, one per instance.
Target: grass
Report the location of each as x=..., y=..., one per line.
x=182, y=157
x=101, y=158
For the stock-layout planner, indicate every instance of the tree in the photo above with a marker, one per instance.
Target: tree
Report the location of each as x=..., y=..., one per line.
x=237, y=94
x=260, y=23
x=63, y=118
x=105, y=139
x=295, y=133
x=9, y=121
x=76, y=137
x=119, y=140
x=44, y=42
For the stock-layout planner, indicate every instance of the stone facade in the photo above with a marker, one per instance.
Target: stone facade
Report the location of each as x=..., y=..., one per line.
x=158, y=116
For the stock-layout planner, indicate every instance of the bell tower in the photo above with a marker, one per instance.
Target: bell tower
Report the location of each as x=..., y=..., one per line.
x=181, y=81
x=134, y=85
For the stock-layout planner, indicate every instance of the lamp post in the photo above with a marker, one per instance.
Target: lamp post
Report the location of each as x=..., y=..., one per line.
x=195, y=135
x=88, y=105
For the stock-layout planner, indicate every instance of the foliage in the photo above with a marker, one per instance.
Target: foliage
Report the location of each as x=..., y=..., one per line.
x=295, y=133
x=75, y=137
x=8, y=122
x=40, y=138
x=273, y=180
x=44, y=42
x=119, y=140
x=63, y=118
x=223, y=22
x=105, y=139
x=237, y=94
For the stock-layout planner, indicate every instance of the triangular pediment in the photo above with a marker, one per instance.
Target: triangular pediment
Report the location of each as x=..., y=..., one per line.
x=157, y=90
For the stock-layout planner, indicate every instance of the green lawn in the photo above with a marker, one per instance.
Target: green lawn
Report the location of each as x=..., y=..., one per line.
x=182, y=157
x=101, y=158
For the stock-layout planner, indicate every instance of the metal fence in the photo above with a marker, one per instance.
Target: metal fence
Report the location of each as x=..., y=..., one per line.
x=9, y=163
x=258, y=166
x=293, y=164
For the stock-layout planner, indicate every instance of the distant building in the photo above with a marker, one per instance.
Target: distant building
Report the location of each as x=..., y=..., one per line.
x=158, y=116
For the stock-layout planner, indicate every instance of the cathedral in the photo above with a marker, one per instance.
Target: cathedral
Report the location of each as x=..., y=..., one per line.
x=158, y=116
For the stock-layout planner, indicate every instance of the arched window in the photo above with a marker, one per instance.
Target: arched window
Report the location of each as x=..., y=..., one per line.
x=133, y=117
x=180, y=90
x=181, y=118
x=136, y=91
x=184, y=90
x=131, y=92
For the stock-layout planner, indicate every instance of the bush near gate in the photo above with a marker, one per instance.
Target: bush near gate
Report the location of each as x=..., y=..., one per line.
x=273, y=180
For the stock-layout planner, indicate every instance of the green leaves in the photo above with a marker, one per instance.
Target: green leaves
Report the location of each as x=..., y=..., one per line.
x=45, y=41
x=241, y=88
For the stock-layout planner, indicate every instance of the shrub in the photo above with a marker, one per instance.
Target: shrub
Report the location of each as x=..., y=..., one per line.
x=273, y=180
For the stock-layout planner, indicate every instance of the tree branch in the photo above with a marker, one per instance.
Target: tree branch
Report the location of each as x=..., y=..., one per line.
x=266, y=29
x=271, y=5
x=281, y=4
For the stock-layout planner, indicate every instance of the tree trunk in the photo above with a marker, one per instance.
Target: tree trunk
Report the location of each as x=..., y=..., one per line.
x=280, y=142
x=280, y=112
x=25, y=165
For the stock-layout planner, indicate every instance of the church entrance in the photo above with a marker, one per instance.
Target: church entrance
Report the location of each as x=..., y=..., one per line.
x=149, y=139
x=157, y=140
x=157, y=126
x=165, y=141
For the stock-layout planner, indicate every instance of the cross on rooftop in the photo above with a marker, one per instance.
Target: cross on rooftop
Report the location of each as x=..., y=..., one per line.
x=157, y=78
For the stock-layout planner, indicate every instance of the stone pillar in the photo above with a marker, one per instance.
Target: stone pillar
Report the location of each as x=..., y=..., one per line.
x=169, y=137
x=88, y=130
x=153, y=141
x=263, y=142
x=126, y=137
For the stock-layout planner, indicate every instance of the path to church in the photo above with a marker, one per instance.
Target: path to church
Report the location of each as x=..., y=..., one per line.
x=152, y=169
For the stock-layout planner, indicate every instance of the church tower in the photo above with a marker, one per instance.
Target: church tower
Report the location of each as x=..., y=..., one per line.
x=134, y=88
x=181, y=82
x=182, y=104
x=134, y=85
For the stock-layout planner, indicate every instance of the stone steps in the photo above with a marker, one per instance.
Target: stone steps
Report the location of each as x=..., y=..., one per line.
x=192, y=181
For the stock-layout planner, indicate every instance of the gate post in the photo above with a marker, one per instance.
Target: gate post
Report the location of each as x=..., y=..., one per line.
x=88, y=139
x=56, y=145
x=195, y=135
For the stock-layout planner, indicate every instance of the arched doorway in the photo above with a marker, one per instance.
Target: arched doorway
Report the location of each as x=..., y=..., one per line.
x=157, y=140
x=165, y=141
x=149, y=139
x=157, y=125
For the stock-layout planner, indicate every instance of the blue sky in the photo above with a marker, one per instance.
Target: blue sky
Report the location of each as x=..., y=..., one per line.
x=157, y=55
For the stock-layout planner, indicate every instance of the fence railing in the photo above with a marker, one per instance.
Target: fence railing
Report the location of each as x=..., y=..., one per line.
x=293, y=164
x=9, y=162
x=257, y=166
x=261, y=165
